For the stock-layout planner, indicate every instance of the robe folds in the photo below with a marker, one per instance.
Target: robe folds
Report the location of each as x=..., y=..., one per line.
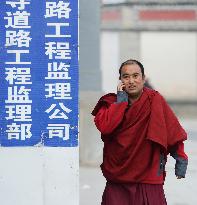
x=133, y=194
x=137, y=138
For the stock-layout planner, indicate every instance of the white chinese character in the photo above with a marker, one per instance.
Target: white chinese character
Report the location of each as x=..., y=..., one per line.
x=22, y=131
x=18, y=56
x=58, y=72
x=21, y=4
x=58, y=91
x=59, y=130
x=18, y=75
x=13, y=131
x=25, y=131
x=18, y=112
x=57, y=30
x=61, y=10
x=18, y=19
x=18, y=96
x=56, y=113
x=60, y=50
x=19, y=39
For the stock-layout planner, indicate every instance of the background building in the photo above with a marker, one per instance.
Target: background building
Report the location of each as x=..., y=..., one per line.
x=161, y=34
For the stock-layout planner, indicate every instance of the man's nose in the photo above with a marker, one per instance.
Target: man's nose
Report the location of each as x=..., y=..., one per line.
x=131, y=80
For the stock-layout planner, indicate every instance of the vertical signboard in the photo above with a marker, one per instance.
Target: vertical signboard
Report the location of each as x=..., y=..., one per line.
x=39, y=73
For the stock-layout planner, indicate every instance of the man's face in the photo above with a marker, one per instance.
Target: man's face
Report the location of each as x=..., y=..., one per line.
x=133, y=80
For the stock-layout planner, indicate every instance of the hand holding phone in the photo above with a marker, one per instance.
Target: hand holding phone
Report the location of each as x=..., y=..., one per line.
x=121, y=86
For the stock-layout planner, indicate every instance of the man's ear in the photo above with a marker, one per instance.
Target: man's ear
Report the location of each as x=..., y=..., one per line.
x=144, y=78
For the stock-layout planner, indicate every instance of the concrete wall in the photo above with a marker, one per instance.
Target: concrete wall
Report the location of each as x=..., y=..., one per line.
x=89, y=50
x=110, y=52
x=90, y=80
x=129, y=46
x=39, y=176
x=170, y=62
x=90, y=142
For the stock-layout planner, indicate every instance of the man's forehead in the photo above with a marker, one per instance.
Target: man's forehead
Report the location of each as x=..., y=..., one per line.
x=130, y=69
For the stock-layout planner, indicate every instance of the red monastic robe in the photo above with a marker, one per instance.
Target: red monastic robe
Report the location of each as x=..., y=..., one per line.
x=135, y=137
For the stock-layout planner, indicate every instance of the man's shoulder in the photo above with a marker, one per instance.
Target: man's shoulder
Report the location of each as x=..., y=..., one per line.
x=106, y=100
x=109, y=97
x=154, y=93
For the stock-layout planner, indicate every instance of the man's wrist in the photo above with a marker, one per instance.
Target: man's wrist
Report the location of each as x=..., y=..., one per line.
x=122, y=96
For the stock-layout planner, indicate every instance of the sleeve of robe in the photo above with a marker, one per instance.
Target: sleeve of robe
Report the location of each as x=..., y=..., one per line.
x=177, y=152
x=110, y=116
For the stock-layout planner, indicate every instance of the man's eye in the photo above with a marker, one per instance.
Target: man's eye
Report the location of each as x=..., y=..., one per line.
x=135, y=76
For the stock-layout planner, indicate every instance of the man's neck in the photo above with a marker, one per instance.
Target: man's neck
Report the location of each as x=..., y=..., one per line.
x=132, y=99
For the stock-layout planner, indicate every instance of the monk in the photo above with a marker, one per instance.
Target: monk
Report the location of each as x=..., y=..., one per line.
x=139, y=131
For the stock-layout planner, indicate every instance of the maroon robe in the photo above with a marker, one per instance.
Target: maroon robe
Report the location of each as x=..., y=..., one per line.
x=135, y=137
x=133, y=194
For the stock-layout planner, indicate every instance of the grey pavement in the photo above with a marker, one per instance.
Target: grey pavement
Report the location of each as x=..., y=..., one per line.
x=178, y=192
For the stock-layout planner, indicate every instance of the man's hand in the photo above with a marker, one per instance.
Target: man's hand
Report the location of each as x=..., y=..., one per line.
x=121, y=86
x=121, y=94
x=179, y=177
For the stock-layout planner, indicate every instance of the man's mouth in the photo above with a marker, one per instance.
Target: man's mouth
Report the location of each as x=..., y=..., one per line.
x=132, y=87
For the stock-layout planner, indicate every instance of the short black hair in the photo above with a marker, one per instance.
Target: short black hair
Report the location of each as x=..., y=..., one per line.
x=130, y=62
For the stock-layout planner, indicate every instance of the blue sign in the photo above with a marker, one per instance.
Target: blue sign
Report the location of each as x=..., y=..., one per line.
x=39, y=73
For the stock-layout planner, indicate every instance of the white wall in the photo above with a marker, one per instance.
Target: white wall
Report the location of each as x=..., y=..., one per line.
x=170, y=61
x=169, y=58
x=112, y=1
x=110, y=60
x=39, y=176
